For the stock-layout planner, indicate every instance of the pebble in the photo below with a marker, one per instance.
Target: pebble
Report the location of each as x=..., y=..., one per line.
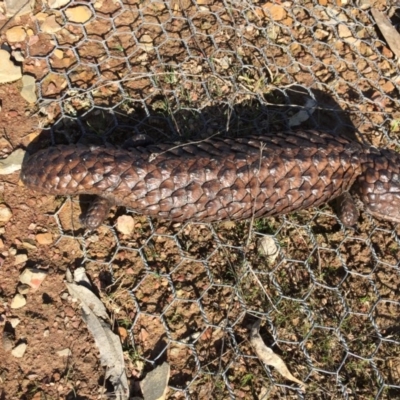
x=18, y=301
x=18, y=55
x=16, y=34
x=5, y=213
x=64, y=353
x=29, y=244
x=44, y=238
x=58, y=53
x=275, y=11
x=12, y=163
x=13, y=251
x=8, y=71
x=28, y=91
x=346, y=34
x=64, y=296
x=267, y=247
x=20, y=259
x=146, y=42
x=78, y=14
x=50, y=25
x=14, y=321
x=123, y=333
x=58, y=3
x=17, y=7
x=33, y=277
x=125, y=224
x=19, y=350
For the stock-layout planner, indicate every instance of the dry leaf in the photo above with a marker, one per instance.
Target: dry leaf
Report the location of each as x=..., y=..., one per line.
x=304, y=113
x=94, y=314
x=267, y=356
x=88, y=299
x=389, y=32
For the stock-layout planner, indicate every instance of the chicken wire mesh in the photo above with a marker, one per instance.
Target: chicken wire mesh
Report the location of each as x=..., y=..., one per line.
x=187, y=293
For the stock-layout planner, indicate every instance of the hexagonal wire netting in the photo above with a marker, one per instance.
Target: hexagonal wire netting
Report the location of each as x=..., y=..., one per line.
x=182, y=69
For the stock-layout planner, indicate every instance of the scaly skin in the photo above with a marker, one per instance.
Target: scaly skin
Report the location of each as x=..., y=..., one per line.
x=219, y=178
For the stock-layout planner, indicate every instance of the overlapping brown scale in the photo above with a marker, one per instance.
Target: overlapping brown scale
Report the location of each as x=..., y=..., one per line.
x=215, y=179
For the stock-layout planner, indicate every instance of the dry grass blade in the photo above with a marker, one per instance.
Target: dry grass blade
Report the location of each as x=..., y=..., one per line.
x=268, y=357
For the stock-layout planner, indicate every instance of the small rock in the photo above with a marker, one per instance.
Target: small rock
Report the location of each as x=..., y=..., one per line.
x=320, y=34
x=78, y=14
x=64, y=296
x=58, y=3
x=33, y=277
x=155, y=384
x=388, y=87
x=174, y=352
x=18, y=7
x=267, y=247
x=16, y=34
x=18, y=55
x=20, y=259
x=346, y=34
x=146, y=43
x=41, y=16
x=19, y=350
x=1, y=244
x=13, y=114
x=44, y=238
x=8, y=71
x=58, y=53
x=28, y=91
x=50, y=25
x=12, y=163
x=23, y=288
x=64, y=353
x=365, y=4
x=123, y=333
x=14, y=321
x=274, y=11
x=5, y=213
x=18, y=301
x=125, y=224
x=46, y=333
x=29, y=244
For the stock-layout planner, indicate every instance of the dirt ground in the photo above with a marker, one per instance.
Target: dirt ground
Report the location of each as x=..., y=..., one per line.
x=188, y=293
